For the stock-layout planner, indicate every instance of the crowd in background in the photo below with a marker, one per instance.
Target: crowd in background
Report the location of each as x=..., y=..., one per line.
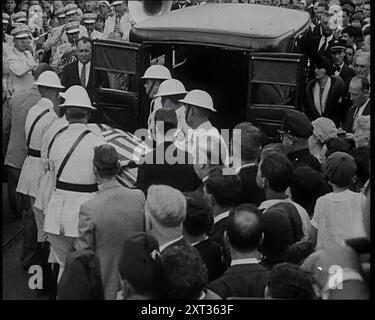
x=274, y=229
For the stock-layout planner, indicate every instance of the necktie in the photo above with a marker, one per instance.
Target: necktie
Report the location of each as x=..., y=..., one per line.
x=323, y=47
x=83, y=76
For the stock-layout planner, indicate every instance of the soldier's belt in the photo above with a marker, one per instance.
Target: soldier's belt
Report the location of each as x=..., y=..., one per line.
x=86, y=188
x=33, y=153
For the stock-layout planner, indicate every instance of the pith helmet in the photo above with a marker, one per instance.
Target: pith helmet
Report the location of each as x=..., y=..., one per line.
x=171, y=87
x=199, y=98
x=157, y=71
x=76, y=96
x=49, y=79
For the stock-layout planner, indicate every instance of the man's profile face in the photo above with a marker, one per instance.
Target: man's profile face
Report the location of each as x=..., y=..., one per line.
x=84, y=52
x=357, y=95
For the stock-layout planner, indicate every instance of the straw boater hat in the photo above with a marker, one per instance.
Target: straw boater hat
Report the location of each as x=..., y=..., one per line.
x=6, y=18
x=89, y=17
x=70, y=9
x=20, y=17
x=72, y=27
x=60, y=12
x=21, y=31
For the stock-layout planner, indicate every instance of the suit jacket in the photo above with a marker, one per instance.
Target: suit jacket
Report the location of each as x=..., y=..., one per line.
x=346, y=75
x=104, y=222
x=216, y=231
x=245, y=280
x=211, y=255
x=333, y=106
x=179, y=243
x=349, y=119
x=178, y=176
x=70, y=77
x=250, y=192
x=303, y=158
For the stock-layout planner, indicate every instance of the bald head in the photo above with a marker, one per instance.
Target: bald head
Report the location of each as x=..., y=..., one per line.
x=244, y=228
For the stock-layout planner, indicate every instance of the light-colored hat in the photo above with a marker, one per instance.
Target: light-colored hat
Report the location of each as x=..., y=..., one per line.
x=199, y=98
x=89, y=17
x=60, y=12
x=21, y=31
x=70, y=9
x=105, y=2
x=76, y=96
x=72, y=27
x=20, y=17
x=6, y=18
x=324, y=129
x=157, y=71
x=170, y=87
x=116, y=3
x=49, y=79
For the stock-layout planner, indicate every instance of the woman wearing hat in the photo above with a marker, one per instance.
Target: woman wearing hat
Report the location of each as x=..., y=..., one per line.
x=324, y=93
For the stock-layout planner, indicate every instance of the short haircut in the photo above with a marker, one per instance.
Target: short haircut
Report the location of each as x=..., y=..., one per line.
x=42, y=68
x=278, y=170
x=199, y=217
x=336, y=144
x=185, y=274
x=251, y=141
x=166, y=205
x=272, y=147
x=84, y=40
x=226, y=189
x=365, y=84
x=76, y=113
x=244, y=227
x=289, y=281
x=106, y=160
x=307, y=186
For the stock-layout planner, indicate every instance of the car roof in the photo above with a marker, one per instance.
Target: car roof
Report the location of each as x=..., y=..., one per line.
x=233, y=25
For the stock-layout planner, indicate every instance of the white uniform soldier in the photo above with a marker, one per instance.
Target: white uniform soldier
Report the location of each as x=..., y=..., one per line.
x=205, y=143
x=170, y=92
x=89, y=20
x=67, y=52
x=154, y=76
x=71, y=165
x=20, y=61
x=38, y=119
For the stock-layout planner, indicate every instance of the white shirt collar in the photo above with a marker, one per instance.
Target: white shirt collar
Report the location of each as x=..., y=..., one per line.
x=247, y=165
x=268, y=203
x=195, y=243
x=162, y=247
x=221, y=216
x=236, y=262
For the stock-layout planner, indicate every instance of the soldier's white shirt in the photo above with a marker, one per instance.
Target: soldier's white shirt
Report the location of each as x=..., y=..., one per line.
x=206, y=141
x=125, y=26
x=20, y=65
x=62, y=213
x=57, y=62
x=46, y=185
x=33, y=169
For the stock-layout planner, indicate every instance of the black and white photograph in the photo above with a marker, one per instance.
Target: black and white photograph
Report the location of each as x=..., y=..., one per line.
x=176, y=151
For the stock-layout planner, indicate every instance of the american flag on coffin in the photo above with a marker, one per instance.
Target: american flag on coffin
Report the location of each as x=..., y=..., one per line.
x=129, y=147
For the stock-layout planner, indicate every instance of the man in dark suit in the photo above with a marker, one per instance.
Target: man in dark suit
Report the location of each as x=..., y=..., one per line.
x=247, y=144
x=167, y=164
x=359, y=90
x=81, y=71
x=196, y=224
x=245, y=277
x=337, y=53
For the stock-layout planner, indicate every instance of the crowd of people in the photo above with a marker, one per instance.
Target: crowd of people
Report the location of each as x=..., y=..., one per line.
x=276, y=225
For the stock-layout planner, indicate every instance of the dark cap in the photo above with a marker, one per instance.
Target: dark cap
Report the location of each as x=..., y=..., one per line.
x=348, y=2
x=337, y=45
x=340, y=168
x=138, y=261
x=296, y=124
x=106, y=158
x=325, y=63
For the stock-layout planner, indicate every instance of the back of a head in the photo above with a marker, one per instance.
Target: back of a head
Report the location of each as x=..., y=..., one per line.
x=225, y=189
x=81, y=279
x=244, y=228
x=277, y=234
x=278, y=170
x=336, y=144
x=289, y=281
x=307, y=186
x=106, y=160
x=340, y=169
x=250, y=141
x=270, y=148
x=166, y=205
x=185, y=274
x=198, y=215
x=42, y=67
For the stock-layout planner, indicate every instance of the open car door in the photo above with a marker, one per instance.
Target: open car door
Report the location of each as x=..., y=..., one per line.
x=276, y=84
x=118, y=104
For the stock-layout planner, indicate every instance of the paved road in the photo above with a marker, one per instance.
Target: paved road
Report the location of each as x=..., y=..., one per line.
x=15, y=279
